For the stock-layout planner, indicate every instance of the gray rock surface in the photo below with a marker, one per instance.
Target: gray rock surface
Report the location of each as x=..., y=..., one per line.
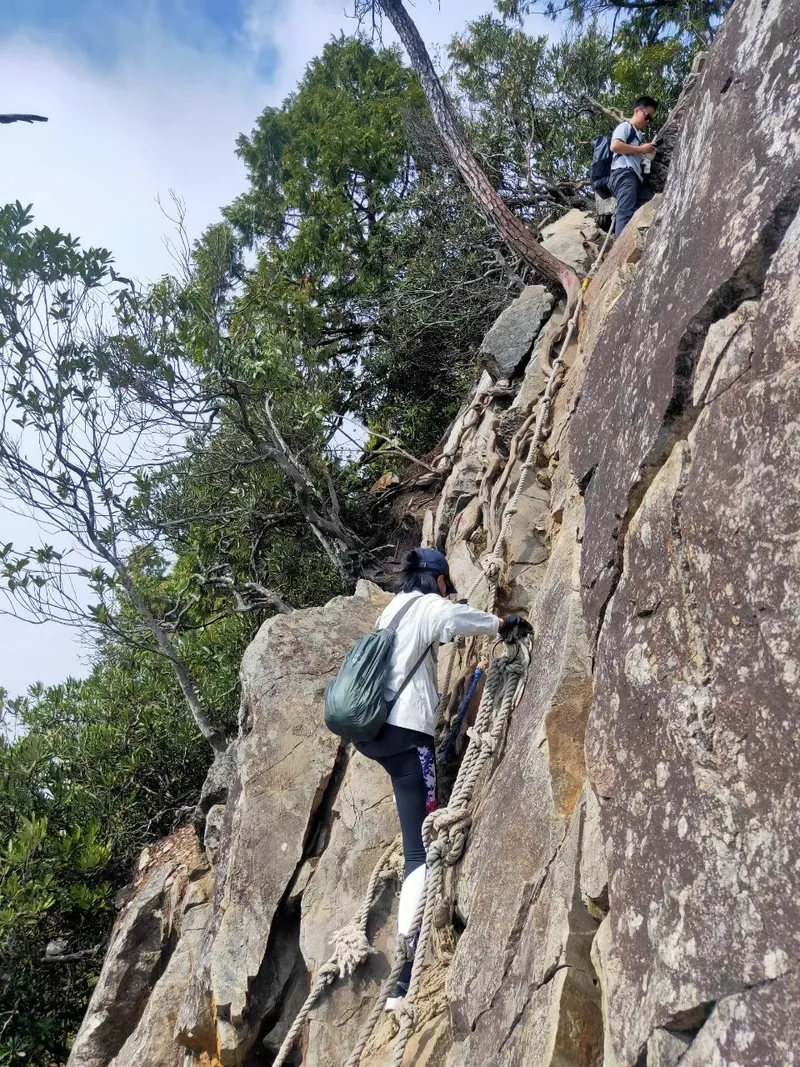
x=573, y=239
x=289, y=769
x=508, y=344
x=132, y=962
x=639, y=379
x=687, y=442
x=126, y=1012
x=665, y=1049
x=364, y=821
x=154, y=1041
x=533, y=998
x=750, y=1029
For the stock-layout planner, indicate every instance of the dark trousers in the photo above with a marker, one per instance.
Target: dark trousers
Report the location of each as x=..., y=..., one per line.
x=630, y=194
x=409, y=759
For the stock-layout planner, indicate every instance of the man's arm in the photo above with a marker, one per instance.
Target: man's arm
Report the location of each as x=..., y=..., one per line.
x=619, y=148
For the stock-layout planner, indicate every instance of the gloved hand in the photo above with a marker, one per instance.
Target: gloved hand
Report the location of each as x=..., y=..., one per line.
x=515, y=626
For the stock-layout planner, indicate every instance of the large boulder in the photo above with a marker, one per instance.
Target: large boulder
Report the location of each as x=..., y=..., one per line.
x=573, y=239
x=154, y=1039
x=509, y=342
x=289, y=774
x=363, y=822
x=132, y=1014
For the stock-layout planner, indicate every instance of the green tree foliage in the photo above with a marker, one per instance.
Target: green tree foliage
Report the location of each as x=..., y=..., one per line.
x=526, y=100
x=328, y=170
x=455, y=281
x=71, y=439
x=535, y=105
x=650, y=21
x=90, y=772
x=358, y=219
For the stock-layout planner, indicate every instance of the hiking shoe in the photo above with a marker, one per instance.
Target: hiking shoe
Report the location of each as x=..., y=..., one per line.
x=394, y=1001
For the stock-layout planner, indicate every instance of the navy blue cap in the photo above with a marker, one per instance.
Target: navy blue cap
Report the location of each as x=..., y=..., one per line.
x=428, y=559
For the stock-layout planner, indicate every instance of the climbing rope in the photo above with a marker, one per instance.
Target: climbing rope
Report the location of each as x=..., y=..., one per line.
x=351, y=945
x=455, y=729
x=445, y=830
x=493, y=563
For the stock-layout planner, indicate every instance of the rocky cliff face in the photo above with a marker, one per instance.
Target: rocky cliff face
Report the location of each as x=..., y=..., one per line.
x=629, y=893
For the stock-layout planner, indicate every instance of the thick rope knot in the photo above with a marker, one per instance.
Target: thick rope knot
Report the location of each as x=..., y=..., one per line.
x=515, y=665
x=445, y=835
x=406, y=945
x=393, y=868
x=328, y=972
x=448, y=819
x=407, y=1014
x=350, y=948
x=485, y=739
x=492, y=565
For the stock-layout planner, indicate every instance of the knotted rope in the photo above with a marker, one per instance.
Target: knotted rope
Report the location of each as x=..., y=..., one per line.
x=351, y=946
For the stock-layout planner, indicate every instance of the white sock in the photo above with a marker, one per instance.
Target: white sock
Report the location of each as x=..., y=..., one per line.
x=410, y=895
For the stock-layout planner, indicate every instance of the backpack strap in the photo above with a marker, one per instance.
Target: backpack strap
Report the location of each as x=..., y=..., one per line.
x=628, y=140
x=391, y=703
x=395, y=622
x=398, y=616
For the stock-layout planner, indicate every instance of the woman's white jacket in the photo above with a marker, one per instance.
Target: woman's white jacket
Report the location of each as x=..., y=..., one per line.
x=431, y=621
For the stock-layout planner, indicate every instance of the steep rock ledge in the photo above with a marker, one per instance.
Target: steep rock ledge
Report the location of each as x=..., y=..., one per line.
x=629, y=893
x=687, y=443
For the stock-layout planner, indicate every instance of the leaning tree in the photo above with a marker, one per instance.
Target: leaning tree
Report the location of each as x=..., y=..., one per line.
x=512, y=228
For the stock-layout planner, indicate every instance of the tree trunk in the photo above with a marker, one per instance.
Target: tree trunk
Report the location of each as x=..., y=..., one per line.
x=213, y=734
x=511, y=228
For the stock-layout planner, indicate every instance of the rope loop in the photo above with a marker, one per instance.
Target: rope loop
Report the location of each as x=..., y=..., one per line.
x=405, y=946
x=407, y=1014
x=492, y=565
x=328, y=972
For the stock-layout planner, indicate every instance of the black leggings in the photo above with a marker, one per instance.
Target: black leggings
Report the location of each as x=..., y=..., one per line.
x=408, y=756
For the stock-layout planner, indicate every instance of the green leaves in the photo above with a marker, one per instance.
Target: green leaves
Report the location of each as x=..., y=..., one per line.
x=328, y=170
x=98, y=768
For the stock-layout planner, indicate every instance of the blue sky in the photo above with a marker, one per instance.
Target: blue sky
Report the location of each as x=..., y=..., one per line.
x=144, y=97
x=96, y=28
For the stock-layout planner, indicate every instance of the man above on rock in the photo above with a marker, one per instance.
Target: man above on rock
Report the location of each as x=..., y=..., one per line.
x=629, y=151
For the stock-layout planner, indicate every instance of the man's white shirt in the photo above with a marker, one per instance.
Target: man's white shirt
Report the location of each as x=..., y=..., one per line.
x=623, y=133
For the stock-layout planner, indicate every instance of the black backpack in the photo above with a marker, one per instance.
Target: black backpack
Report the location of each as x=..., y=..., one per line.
x=602, y=157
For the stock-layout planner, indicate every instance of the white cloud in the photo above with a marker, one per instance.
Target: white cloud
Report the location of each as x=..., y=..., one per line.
x=312, y=22
x=116, y=141
x=165, y=116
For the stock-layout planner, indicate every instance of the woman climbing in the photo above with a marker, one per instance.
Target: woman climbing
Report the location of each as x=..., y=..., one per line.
x=404, y=746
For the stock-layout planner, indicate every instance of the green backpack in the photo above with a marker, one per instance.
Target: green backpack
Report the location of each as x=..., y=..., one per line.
x=355, y=707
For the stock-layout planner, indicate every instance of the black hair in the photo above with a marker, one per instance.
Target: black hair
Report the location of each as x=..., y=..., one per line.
x=645, y=101
x=414, y=580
